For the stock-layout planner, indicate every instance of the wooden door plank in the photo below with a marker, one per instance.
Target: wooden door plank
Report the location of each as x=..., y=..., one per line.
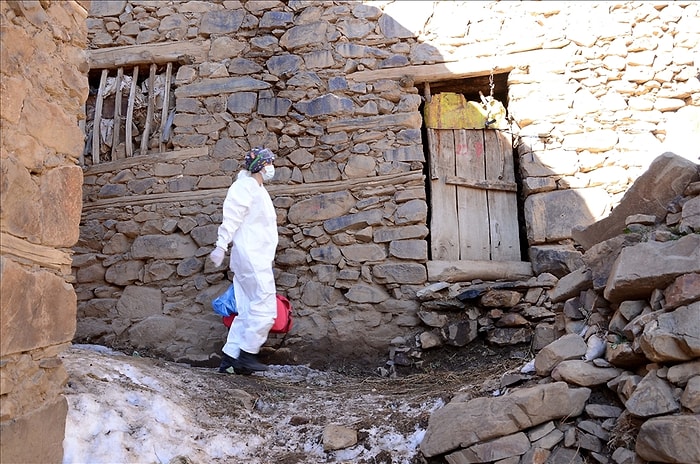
x=116, y=154
x=472, y=204
x=502, y=205
x=97, y=120
x=482, y=184
x=129, y=138
x=145, y=135
x=444, y=227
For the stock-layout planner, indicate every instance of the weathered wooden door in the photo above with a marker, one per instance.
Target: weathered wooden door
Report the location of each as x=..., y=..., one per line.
x=474, y=211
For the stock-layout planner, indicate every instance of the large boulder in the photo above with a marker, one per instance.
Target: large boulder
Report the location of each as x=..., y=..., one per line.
x=667, y=177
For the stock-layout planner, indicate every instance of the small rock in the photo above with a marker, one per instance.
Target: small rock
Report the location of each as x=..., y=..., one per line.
x=337, y=437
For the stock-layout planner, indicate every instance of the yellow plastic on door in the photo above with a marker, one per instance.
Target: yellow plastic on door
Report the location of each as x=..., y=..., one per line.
x=452, y=111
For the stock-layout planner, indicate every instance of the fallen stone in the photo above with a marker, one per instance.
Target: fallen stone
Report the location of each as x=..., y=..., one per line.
x=500, y=448
x=570, y=346
x=571, y=285
x=462, y=424
x=672, y=439
x=673, y=336
x=337, y=437
x=690, y=399
x=679, y=374
x=583, y=373
x=684, y=290
x=653, y=396
x=641, y=268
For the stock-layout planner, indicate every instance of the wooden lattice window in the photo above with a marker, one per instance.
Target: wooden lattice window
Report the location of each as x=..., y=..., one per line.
x=129, y=112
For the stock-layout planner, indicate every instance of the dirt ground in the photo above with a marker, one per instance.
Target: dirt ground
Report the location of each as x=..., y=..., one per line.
x=290, y=405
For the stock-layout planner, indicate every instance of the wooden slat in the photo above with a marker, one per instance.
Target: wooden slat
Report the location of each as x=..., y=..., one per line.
x=117, y=113
x=464, y=271
x=437, y=72
x=503, y=206
x=444, y=228
x=119, y=165
x=465, y=66
x=472, y=205
x=484, y=185
x=149, y=111
x=98, y=118
x=166, y=105
x=129, y=138
x=184, y=52
x=432, y=155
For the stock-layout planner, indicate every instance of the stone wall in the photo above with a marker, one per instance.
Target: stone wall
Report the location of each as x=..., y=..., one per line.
x=595, y=91
x=44, y=87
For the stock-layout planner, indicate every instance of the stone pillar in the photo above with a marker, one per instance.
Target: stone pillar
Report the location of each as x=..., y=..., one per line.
x=43, y=87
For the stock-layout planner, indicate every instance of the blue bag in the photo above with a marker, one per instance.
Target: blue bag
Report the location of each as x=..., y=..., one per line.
x=225, y=304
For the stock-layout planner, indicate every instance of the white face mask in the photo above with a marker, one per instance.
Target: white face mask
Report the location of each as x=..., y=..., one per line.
x=268, y=172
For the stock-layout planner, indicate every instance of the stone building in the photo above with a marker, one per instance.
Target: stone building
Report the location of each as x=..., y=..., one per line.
x=44, y=85
x=373, y=197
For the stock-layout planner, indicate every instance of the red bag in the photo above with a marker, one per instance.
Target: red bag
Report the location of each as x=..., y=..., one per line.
x=283, y=321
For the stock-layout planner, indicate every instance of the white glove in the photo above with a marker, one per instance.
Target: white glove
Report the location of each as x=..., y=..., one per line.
x=217, y=256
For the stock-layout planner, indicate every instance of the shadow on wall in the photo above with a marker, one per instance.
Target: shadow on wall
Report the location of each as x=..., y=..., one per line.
x=143, y=279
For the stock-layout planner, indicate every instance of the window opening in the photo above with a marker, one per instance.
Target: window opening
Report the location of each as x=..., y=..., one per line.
x=129, y=112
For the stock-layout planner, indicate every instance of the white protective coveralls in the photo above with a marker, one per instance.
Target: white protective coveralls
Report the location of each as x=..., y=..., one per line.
x=250, y=223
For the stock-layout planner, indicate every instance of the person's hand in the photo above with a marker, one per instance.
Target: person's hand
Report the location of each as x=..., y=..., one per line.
x=217, y=256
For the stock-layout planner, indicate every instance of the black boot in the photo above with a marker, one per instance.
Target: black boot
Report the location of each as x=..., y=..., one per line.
x=248, y=361
x=228, y=366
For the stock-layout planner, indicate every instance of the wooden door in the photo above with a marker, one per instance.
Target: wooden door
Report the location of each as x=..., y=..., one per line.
x=474, y=211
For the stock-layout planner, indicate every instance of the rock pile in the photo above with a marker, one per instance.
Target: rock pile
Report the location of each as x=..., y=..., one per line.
x=619, y=379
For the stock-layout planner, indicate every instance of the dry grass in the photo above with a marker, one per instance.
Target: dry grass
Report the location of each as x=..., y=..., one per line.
x=624, y=434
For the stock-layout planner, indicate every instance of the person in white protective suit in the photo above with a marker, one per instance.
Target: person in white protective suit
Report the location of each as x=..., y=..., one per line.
x=250, y=224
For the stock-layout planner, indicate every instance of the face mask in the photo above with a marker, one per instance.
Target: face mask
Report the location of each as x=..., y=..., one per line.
x=268, y=172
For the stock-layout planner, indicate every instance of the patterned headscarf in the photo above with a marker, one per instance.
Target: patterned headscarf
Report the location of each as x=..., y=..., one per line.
x=257, y=158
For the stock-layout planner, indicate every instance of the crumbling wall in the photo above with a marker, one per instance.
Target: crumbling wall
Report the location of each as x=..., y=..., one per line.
x=335, y=89
x=44, y=86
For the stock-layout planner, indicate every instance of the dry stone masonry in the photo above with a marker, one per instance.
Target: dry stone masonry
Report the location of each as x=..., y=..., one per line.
x=594, y=92
x=44, y=86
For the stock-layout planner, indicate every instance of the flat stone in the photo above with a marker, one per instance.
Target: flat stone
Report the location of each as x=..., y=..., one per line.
x=551, y=216
x=219, y=86
x=139, y=302
x=111, y=8
x=171, y=246
x=48, y=318
x=653, y=396
x=641, y=268
x=584, y=373
x=336, y=437
x=43, y=427
x=462, y=424
x=669, y=439
x=221, y=21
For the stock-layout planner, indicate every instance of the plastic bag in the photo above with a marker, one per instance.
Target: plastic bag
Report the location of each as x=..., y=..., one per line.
x=225, y=304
